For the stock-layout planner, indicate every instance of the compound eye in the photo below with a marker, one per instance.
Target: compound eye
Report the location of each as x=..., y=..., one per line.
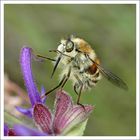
x=69, y=46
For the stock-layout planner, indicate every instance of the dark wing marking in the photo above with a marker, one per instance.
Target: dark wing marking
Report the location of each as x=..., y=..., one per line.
x=111, y=76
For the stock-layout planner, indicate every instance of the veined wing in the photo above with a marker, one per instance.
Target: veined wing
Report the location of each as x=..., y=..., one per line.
x=114, y=79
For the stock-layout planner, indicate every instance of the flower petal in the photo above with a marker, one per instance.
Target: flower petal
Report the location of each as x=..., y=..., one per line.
x=11, y=132
x=73, y=117
x=26, y=112
x=25, y=61
x=43, y=91
x=21, y=130
x=63, y=103
x=43, y=118
x=6, y=129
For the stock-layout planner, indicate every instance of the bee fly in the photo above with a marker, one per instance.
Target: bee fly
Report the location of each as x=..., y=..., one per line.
x=79, y=63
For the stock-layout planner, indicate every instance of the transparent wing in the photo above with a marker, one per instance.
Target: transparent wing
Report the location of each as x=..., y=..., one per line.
x=113, y=78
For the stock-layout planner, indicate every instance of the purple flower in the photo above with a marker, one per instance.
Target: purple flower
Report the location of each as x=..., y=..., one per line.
x=65, y=118
x=21, y=130
x=8, y=131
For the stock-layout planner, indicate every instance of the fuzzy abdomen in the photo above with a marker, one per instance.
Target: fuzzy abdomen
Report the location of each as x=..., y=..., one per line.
x=83, y=73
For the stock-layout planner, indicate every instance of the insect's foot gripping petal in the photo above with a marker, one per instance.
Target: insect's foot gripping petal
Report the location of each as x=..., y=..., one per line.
x=82, y=106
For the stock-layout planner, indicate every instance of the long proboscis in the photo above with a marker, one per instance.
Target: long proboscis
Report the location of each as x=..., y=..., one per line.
x=44, y=57
x=58, y=60
x=60, y=52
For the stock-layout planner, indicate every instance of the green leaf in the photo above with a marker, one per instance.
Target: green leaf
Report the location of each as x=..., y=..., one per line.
x=78, y=130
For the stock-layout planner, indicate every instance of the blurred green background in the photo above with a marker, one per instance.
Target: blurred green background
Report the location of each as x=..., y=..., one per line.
x=110, y=29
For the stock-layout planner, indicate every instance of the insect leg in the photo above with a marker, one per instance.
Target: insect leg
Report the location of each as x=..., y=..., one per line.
x=61, y=82
x=75, y=89
x=66, y=79
x=80, y=91
x=79, y=95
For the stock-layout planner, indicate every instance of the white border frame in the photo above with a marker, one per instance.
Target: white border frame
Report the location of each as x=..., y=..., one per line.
x=137, y=68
